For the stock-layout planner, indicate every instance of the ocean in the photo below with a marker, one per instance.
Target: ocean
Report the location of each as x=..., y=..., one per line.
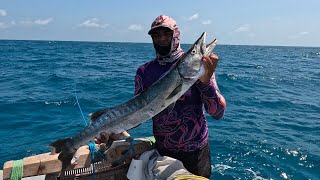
x=270, y=130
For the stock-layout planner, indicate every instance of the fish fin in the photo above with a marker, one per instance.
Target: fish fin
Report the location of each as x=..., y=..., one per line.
x=175, y=91
x=65, y=159
x=58, y=144
x=62, y=146
x=170, y=107
x=95, y=115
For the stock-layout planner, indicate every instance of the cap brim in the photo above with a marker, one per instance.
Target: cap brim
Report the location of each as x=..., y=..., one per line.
x=156, y=27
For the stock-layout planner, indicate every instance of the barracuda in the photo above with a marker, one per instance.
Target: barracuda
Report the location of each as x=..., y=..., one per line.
x=162, y=94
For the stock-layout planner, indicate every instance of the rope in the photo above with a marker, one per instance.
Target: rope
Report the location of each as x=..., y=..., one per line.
x=128, y=151
x=93, y=150
x=17, y=170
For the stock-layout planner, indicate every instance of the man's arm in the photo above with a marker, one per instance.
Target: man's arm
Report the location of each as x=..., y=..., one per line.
x=213, y=100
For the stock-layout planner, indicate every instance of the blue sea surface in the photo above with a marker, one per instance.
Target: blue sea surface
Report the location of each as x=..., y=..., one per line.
x=270, y=130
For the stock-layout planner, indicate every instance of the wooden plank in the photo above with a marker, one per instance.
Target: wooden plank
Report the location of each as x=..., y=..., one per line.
x=48, y=163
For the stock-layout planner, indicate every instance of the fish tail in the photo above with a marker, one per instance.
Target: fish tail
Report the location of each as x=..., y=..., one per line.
x=63, y=146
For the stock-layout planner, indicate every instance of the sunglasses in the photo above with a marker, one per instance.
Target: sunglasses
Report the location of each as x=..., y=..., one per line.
x=161, y=33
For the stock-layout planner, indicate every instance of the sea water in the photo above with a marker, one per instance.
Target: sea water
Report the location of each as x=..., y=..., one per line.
x=270, y=130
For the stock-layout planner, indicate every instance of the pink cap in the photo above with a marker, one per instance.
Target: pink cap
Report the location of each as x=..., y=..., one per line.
x=163, y=21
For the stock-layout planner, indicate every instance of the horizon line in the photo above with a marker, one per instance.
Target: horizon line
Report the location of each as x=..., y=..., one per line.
x=151, y=43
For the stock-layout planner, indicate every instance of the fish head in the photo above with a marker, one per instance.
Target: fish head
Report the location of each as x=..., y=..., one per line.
x=191, y=66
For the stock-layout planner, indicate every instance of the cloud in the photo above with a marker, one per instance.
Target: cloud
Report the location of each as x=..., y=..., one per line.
x=298, y=35
x=243, y=28
x=3, y=25
x=303, y=33
x=93, y=23
x=43, y=22
x=26, y=22
x=37, y=22
x=7, y=25
x=3, y=12
x=206, y=22
x=135, y=27
x=193, y=17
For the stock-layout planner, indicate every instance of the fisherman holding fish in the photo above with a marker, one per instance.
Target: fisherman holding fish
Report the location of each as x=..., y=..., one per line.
x=172, y=89
x=180, y=130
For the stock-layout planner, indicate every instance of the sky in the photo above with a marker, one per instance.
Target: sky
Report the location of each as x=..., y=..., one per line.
x=234, y=22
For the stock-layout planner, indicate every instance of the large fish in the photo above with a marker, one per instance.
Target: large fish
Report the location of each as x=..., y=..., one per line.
x=162, y=94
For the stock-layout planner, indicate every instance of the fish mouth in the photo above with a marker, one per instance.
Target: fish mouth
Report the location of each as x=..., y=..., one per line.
x=201, y=43
x=210, y=47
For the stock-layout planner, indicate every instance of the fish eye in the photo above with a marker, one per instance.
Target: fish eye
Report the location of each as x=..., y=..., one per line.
x=193, y=51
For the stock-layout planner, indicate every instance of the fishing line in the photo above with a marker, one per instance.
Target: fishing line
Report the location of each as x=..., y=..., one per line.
x=75, y=94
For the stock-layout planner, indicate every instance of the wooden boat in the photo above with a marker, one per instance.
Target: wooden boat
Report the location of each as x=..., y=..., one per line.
x=115, y=165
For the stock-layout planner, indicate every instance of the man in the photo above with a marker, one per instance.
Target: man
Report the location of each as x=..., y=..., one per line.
x=181, y=132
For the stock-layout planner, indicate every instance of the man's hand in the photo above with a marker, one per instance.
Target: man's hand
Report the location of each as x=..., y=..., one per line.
x=210, y=64
x=105, y=137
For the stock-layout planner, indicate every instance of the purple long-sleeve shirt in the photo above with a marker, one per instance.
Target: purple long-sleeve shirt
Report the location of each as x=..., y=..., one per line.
x=185, y=127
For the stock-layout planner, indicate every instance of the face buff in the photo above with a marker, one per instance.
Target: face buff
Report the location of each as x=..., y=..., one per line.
x=162, y=50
